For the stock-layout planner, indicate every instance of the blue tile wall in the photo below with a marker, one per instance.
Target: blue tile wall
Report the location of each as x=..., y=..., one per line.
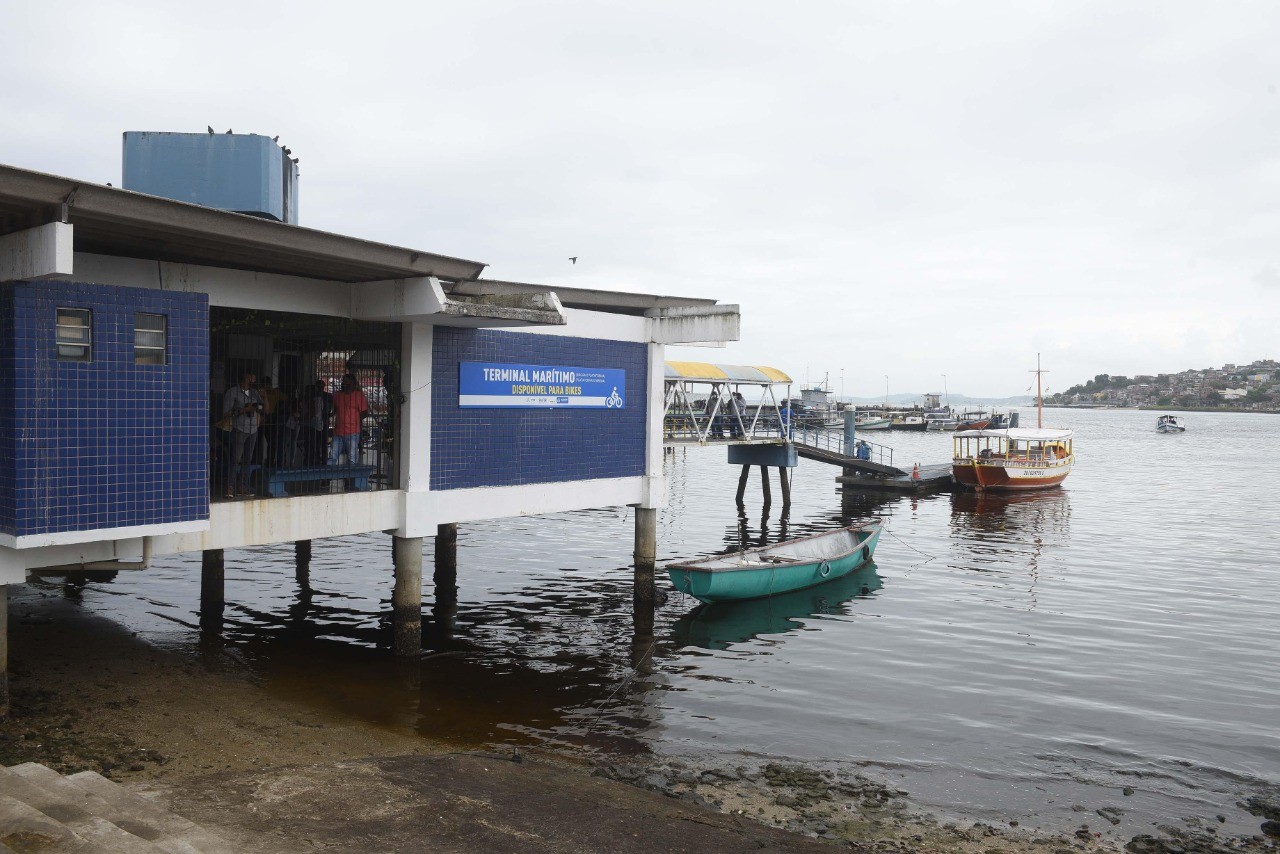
x=509, y=447
x=8, y=475
x=106, y=443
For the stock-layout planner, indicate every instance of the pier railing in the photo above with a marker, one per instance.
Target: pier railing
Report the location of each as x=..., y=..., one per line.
x=832, y=441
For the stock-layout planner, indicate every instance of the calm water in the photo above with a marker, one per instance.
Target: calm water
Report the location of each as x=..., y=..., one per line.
x=1003, y=659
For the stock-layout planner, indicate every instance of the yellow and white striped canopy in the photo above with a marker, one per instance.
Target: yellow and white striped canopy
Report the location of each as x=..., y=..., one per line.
x=709, y=373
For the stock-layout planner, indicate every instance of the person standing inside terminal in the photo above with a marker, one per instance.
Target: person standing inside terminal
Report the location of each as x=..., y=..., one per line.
x=244, y=406
x=349, y=406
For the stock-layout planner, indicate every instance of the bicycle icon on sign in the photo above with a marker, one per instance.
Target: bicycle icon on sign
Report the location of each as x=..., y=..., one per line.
x=614, y=401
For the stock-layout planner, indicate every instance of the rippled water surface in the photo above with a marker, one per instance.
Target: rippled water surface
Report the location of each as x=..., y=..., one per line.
x=1004, y=658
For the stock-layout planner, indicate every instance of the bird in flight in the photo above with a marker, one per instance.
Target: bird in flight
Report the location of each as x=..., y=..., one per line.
x=573, y=260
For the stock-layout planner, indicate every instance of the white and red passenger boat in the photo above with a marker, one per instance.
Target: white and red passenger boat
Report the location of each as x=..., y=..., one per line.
x=1014, y=459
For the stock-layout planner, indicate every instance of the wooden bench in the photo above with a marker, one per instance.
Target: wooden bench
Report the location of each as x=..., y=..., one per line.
x=277, y=478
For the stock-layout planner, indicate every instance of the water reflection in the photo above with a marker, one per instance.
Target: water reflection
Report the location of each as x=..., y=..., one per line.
x=1029, y=513
x=723, y=625
x=999, y=532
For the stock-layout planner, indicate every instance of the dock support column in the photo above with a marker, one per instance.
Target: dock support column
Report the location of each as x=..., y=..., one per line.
x=742, y=485
x=212, y=589
x=785, y=481
x=446, y=555
x=445, y=580
x=764, y=483
x=406, y=598
x=302, y=562
x=646, y=554
x=4, y=651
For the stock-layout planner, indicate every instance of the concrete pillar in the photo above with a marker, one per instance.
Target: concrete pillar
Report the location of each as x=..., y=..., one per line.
x=646, y=550
x=302, y=562
x=646, y=555
x=784, y=478
x=4, y=651
x=849, y=432
x=406, y=598
x=764, y=483
x=212, y=589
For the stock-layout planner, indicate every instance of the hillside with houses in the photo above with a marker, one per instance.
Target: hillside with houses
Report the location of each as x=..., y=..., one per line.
x=1254, y=386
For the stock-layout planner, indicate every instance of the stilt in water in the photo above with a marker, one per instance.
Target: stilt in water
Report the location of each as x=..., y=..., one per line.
x=764, y=482
x=784, y=478
x=302, y=563
x=444, y=606
x=406, y=598
x=212, y=590
x=742, y=485
x=646, y=552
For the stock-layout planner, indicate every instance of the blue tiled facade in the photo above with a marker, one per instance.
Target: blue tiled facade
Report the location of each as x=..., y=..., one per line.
x=509, y=447
x=105, y=443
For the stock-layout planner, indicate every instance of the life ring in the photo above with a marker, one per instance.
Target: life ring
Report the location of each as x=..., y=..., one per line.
x=824, y=569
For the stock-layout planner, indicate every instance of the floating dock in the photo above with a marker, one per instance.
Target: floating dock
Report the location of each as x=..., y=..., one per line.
x=933, y=478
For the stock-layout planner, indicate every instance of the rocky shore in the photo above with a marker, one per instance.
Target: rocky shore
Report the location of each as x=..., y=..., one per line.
x=868, y=815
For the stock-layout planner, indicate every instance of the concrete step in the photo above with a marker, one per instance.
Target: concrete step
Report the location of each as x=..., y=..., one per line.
x=179, y=835
x=104, y=836
x=26, y=828
x=44, y=811
x=32, y=794
x=85, y=811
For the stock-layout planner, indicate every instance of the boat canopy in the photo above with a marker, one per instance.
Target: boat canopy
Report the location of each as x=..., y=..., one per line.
x=1018, y=434
x=707, y=372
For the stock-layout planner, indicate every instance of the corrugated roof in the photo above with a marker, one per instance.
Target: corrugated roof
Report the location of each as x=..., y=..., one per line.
x=759, y=374
x=112, y=221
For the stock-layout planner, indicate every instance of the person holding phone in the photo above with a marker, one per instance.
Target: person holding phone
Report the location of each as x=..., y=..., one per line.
x=244, y=405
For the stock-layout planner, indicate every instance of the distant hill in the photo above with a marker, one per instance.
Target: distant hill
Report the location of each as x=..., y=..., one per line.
x=957, y=400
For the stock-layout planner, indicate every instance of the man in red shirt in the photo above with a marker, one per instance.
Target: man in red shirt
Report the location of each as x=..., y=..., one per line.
x=349, y=405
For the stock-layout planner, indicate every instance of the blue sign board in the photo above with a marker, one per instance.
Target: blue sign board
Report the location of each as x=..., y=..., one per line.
x=493, y=385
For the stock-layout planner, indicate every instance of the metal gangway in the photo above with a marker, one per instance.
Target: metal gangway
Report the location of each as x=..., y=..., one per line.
x=831, y=445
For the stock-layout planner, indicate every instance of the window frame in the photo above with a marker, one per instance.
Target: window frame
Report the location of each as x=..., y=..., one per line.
x=141, y=349
x=85, y=344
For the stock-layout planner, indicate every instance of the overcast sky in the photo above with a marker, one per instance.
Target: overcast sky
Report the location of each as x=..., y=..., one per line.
x=906, y=189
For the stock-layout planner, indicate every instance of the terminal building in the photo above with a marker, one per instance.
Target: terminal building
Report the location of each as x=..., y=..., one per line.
x=126, y=314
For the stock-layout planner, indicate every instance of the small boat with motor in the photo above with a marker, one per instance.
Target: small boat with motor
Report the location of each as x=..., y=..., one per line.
x=935, y=421
x=871, y=422
x=973, y=421
x=1169, y=424
x=777, y=568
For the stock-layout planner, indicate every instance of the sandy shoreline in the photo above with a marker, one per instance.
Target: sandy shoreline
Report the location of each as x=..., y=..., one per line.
x=88, y=695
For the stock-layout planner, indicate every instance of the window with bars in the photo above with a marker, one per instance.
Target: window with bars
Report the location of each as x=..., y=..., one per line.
x=148, y=339
x=75, y=335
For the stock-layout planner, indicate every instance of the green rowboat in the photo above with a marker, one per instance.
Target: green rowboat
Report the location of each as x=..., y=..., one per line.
x=778, y=568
